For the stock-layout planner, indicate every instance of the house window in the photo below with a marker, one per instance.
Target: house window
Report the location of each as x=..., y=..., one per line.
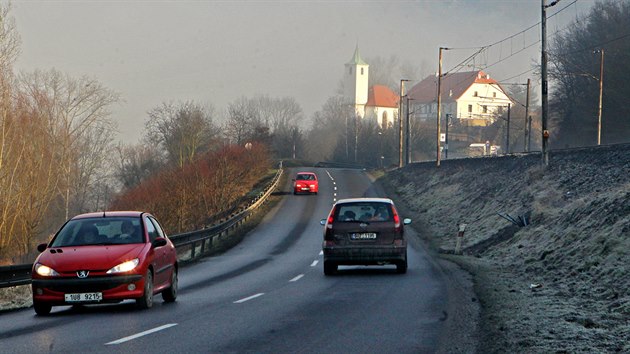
x=384, y=120
x=469, y=108
x=476, y=94
x=361, y=71
x=500, y=109
x=494, y=94
x=484, y=108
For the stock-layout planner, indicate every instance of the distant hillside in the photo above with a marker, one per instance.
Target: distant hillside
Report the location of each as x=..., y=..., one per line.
x=561, y=282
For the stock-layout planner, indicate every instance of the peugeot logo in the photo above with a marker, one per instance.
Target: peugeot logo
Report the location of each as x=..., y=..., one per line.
x=83, y=273
x=363, y=225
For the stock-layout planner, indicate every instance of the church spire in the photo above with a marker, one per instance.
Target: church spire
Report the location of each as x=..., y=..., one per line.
x=356, y=58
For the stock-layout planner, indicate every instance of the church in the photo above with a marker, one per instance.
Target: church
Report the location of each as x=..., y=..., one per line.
x=377, y=103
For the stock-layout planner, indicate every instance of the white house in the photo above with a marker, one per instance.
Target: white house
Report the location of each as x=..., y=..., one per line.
x=471, y=97
x=378, y=103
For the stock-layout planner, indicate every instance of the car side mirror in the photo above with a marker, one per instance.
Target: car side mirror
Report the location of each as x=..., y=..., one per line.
x=42, y=247
x=322, y=222
x=406, y=221
x=159, y=242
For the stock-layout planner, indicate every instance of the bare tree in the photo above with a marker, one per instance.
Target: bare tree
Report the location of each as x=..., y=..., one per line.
x=136, y=163
x=332, y=134
x=183, y=130
x=77, y=117
x=242, y=121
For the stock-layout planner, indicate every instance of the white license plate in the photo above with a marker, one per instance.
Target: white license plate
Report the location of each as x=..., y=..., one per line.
x=364, y=236
x=84, y=297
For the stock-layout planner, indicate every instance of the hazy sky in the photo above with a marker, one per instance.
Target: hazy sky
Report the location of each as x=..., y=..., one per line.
x=217, y=51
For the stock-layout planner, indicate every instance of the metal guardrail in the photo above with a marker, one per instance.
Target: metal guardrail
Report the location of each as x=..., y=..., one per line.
x=14, y=275
x=190, y=245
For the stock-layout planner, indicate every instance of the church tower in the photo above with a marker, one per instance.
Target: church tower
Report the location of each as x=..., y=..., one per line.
x=356, y=82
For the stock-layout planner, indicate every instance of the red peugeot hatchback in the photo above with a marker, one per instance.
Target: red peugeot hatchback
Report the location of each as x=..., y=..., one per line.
x=105, y=257
x=305, y=182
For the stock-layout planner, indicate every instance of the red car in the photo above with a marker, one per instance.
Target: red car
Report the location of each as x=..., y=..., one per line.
x=105, y=257
x=305, y=182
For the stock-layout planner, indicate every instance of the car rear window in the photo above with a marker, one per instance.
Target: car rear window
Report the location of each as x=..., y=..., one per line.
x=96, y=231
x=363, y=211
x=305, y=177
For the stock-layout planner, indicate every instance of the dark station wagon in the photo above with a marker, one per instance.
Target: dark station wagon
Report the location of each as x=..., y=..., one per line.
x=364, y=231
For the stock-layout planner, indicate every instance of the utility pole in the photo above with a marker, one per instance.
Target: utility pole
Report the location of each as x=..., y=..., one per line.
x=400, y=123
x=527, y=128
x=448, y=117
x=407, y=138
x=439, y=103
x=544, y=88
x=507, y=133
x=356, y=136
x=601, y=91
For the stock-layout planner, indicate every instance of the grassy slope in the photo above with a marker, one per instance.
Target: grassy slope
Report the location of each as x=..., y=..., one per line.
x=576, y=245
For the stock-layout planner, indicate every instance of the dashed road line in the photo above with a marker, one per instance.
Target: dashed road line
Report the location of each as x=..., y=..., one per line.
x=248, y=298
x=141, y=334
x=297, y=278
x=314, y=263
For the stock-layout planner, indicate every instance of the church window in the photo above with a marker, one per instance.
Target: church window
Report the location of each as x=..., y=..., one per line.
x=361, y=71
x=350, y=70
x=384, y=120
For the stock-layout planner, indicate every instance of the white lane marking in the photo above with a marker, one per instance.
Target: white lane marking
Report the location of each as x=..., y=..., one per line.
x=321, y=253
x=248, y=298
x=334, y=182
x=314, y=263
x=335, y=194
x=329, y=176
x=297, y=278
x=335, y=188
x=126, y=339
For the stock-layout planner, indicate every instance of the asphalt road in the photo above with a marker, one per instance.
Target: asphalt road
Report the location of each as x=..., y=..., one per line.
x=266, y=295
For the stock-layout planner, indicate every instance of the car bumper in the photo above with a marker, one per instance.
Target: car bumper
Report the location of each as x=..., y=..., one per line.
x=305, y=190
x=113, y=288
x=365, y=255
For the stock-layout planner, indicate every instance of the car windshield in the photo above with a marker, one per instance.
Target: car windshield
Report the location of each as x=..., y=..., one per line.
x=306, y=177
x=364, y=211
x=99, y=231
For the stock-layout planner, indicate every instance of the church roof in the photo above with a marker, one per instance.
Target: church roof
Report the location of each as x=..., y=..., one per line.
x=382, y=96
x=452, y=86
x=356, y=58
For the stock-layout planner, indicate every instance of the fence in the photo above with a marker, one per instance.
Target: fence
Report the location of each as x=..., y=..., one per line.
x=190, y=245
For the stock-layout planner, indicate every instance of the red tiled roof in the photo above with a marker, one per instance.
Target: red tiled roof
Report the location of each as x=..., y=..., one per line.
x=382, y=96
x=452, y=86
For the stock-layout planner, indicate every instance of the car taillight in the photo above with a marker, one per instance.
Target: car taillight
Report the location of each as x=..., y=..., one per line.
x=396, y=220
x=328, y=234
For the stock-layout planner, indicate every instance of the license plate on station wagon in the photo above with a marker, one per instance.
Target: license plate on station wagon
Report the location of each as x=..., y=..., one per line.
x=84, y=297
x=363, y=236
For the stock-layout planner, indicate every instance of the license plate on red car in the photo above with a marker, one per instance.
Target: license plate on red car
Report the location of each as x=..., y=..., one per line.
x=363, y=236
x=83, y=297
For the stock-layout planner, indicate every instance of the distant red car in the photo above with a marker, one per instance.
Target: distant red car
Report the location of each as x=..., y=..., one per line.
x=105, y=257
x=305, y=182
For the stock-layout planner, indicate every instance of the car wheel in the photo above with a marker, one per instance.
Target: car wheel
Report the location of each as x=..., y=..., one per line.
x=170, y=294
x=146, y=301
x=42, y=309
x=329, y=268
x=401, y=266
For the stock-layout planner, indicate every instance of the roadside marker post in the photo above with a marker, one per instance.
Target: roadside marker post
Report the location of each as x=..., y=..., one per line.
x=460, y=236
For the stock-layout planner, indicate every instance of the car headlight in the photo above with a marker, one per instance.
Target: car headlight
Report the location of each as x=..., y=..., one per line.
x=124, y=267
x=45, y=271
